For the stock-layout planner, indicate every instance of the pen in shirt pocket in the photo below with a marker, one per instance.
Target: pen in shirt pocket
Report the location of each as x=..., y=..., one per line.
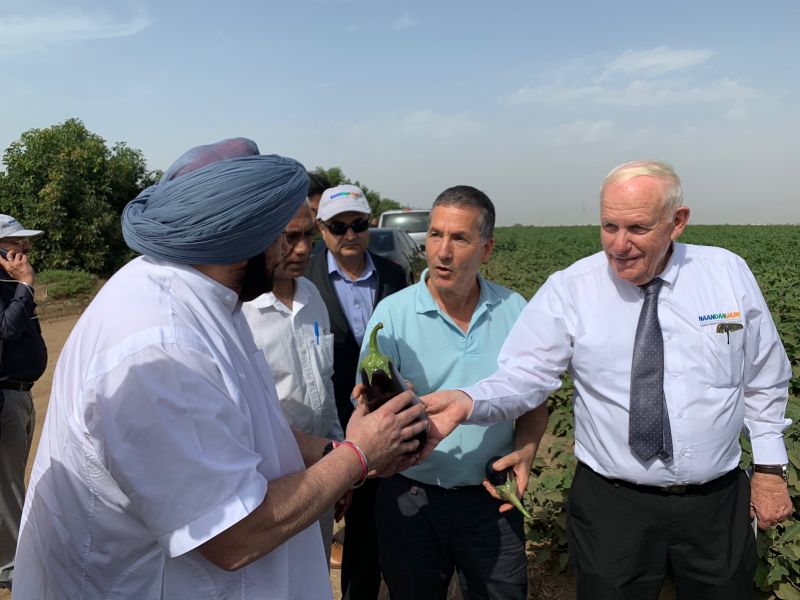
x=727, y=328
x=316, y=332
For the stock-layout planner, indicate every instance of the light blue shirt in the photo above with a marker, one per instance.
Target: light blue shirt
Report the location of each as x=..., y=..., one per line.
x=432, y=352
x=355, y=297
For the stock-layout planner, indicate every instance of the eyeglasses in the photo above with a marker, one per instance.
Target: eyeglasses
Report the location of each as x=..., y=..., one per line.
x=295, y=237
x=337, y=228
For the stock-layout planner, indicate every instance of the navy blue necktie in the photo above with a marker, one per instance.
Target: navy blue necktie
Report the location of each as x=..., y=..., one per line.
x=649, y=434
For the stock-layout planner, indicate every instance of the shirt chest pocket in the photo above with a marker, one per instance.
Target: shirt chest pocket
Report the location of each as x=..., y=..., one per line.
x=324, y=355
x=723, y=353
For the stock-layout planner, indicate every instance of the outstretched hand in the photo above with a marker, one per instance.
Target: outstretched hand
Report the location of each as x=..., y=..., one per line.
x=446, y=410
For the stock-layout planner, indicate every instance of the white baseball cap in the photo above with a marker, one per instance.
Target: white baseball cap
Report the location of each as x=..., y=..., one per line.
x=10, y=227
x=340, y=199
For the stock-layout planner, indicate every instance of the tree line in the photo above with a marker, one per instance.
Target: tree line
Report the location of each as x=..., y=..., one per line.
x=68, y=182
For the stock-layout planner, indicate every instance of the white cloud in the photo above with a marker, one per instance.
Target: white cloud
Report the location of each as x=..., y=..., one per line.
x=420, y=125
x=556, y=93
x=646, y=78
x=585, y=132
x=20, y=33
x=439, y=127
x=404, y=22
x=655, y=62
x=641, y=92
x=738, y=112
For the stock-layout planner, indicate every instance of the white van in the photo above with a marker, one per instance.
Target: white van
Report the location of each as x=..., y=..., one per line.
x=412, y=220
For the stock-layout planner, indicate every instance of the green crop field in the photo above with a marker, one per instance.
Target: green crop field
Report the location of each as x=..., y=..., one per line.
x=525, y=256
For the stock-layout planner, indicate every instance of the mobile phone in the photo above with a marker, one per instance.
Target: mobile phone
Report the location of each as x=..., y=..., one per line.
x=3, y=253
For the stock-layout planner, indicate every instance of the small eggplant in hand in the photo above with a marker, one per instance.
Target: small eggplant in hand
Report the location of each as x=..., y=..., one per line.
x=382, y=380
x=505, y=485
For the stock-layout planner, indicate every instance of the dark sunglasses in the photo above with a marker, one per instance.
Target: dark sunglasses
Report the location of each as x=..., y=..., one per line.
x=337, y=228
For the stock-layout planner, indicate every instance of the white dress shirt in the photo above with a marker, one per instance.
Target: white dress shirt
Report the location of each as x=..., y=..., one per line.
x=584, y=319
x=300, y=356
x=163, y=430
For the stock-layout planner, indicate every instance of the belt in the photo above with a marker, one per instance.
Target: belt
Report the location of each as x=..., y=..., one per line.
x=18, y=386
x=676, y=490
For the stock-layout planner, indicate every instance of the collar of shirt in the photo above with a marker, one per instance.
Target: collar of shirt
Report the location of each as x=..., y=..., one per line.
x=424, y=302
x=670, y=273
x=270, y=301
x=198, y=280
x=334, y=268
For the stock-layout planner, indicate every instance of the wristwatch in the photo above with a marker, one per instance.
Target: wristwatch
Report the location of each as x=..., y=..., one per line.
x=782, y=470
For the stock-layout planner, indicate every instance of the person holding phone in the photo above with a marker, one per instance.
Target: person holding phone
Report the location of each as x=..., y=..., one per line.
x=23, y=358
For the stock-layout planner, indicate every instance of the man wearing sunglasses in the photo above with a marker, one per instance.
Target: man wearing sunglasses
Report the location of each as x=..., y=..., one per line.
x=352, y=281
x=23, y=358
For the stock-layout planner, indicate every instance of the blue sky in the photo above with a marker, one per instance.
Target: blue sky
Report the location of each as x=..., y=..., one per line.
x=533, y=102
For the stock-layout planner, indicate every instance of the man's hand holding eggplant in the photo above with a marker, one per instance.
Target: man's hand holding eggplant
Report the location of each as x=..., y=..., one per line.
x=386, y=434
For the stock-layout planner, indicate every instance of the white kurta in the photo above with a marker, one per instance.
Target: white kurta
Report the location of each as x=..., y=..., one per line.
x=163, y=430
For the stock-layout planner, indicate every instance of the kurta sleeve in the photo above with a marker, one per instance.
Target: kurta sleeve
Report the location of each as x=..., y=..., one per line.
x=177, y=443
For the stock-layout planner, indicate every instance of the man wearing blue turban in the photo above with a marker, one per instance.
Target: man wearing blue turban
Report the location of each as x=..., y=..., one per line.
x=165, y=467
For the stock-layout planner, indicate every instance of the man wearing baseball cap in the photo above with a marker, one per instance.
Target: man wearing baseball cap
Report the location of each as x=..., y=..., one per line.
x=23, y=358
x=352, y=281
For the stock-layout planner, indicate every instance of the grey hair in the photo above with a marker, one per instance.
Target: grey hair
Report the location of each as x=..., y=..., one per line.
x=673, y=193
x=465, y=195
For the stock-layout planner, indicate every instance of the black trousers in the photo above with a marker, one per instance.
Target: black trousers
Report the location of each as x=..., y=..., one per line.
x=425, y=532
x=361, y=574
x=623, y=541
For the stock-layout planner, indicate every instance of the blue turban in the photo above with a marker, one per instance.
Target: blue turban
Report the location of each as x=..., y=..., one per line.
x=217, y=204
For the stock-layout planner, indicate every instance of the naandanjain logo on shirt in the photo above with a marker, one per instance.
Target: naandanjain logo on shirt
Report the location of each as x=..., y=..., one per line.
x=713, y=317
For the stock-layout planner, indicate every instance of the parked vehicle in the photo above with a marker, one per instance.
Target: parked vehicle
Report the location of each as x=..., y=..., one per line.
x=398, y=247
x=414, y=221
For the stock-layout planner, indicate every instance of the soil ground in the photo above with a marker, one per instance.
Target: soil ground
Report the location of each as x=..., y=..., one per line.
x=59, y=317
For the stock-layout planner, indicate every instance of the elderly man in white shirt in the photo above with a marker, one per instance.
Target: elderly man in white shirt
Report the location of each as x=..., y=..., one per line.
x=673, y=353
x=291, y=327
x=166, y=468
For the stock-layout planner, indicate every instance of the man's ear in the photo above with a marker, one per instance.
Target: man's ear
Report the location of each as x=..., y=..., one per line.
x=679, y=221
x=488, y=247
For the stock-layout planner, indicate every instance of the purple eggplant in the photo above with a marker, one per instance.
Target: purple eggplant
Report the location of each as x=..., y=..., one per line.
x=505, y=485
x=382, y=380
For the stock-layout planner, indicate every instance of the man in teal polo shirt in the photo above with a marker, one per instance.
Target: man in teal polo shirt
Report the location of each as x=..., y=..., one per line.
x=444, y=332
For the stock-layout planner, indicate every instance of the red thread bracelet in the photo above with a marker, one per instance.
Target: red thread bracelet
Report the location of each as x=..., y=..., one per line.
x=362, y=458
